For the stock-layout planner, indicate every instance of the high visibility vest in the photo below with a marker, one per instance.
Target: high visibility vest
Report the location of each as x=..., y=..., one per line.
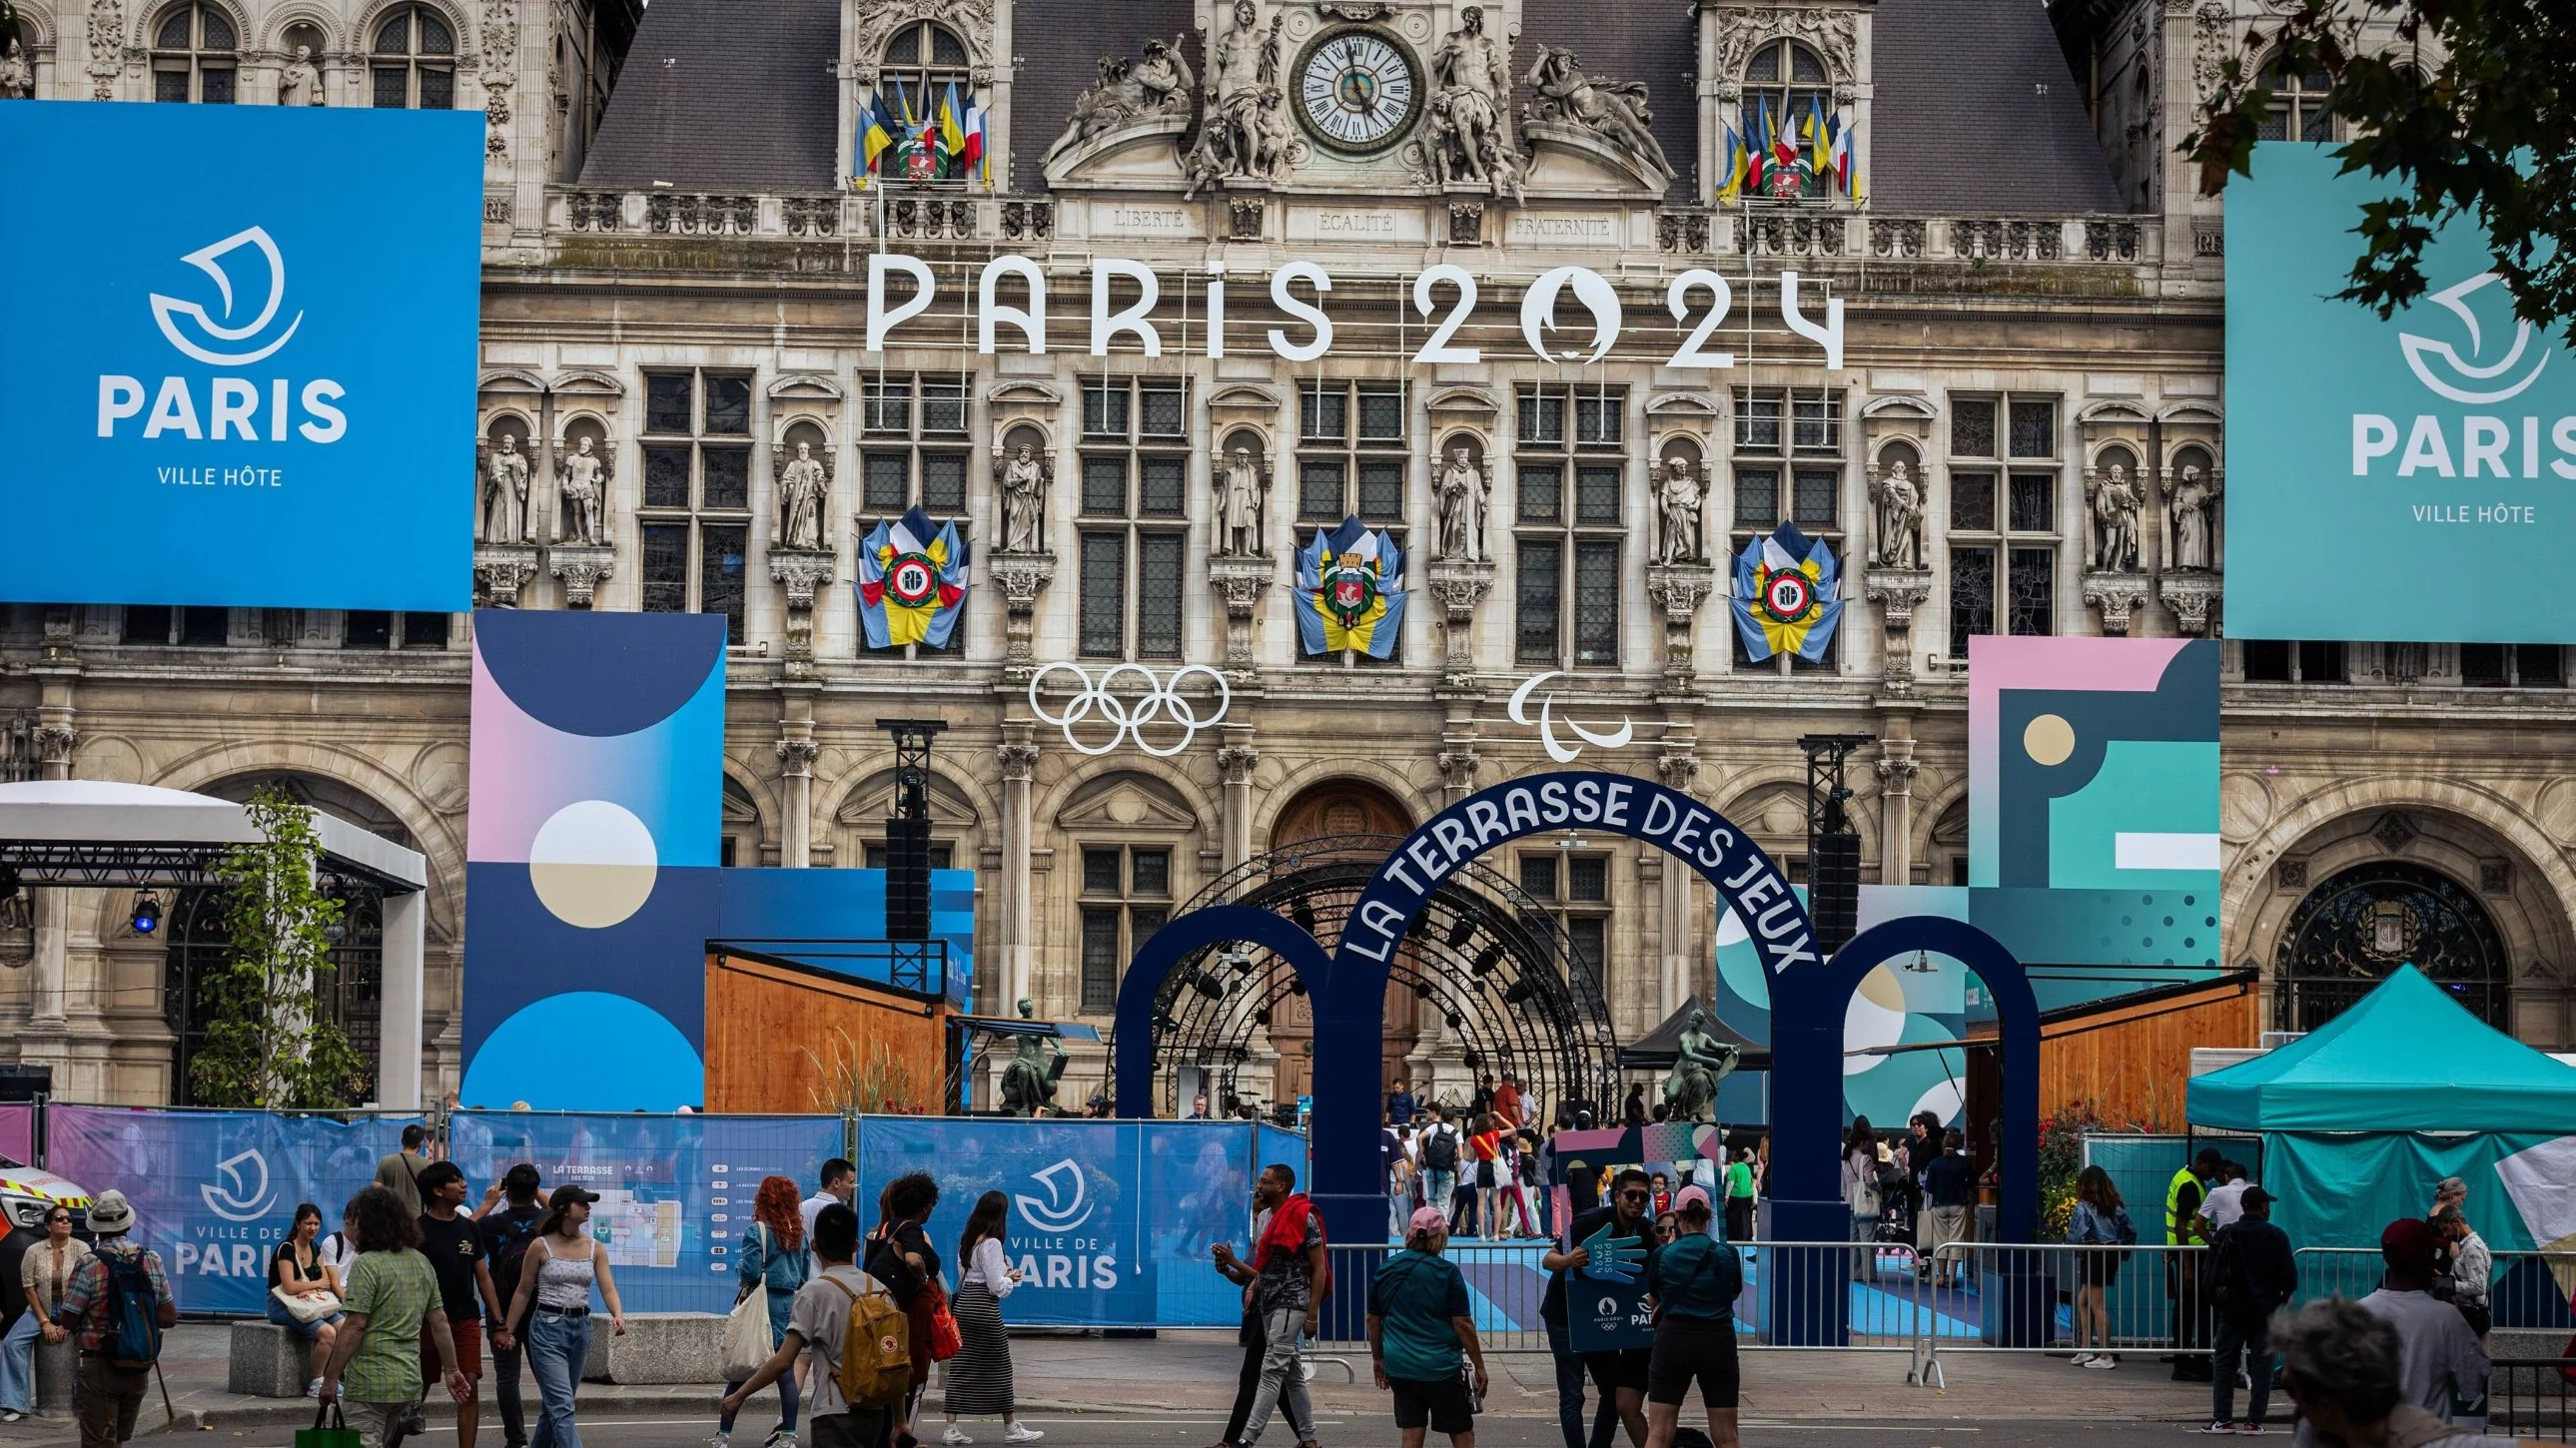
x=2173, y=1205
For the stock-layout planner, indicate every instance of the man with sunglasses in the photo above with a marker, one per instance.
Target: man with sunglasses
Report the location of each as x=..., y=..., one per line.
x=1620, y=1375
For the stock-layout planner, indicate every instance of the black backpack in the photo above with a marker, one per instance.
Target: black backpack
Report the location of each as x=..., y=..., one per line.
x=508, y=1249
x=1440, y=1153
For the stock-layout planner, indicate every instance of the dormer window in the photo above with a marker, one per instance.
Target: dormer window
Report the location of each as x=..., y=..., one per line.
x=922, y=60
x=1784, y=84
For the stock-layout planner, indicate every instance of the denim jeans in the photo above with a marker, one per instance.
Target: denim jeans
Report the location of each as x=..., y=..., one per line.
x=1570, y=1378
x=505, y=1386
x=558, y=1346
x=1439, y=1188
x=2253, y=1339
x=18, y=1364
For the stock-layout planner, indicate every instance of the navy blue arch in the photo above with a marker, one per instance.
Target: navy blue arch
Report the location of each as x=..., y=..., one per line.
x=1175, y=940
x=1350, y=1012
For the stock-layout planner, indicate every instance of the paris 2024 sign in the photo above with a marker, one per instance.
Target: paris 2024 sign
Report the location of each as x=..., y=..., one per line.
x=2412, y=479
x=237, y=354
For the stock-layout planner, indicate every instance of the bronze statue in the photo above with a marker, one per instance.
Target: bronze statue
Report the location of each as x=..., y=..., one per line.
x=1028, y=1083
x=1691, y=1091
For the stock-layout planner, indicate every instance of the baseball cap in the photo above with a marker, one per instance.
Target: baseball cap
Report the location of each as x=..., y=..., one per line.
x=1690, y=1196
x=2257, y=1197
x=567, y=1194
x=2408, y=1242
x=1426, y=1219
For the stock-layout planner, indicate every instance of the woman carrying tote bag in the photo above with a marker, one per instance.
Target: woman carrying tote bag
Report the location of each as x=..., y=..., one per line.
x=773, y=1264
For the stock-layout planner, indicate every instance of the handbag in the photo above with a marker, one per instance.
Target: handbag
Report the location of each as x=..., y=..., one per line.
x=338, y=1435
x=945, y=1343
x=306, y=1307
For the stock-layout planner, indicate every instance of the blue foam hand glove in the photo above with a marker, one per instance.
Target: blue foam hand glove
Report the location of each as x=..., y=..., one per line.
x=1613, y=1259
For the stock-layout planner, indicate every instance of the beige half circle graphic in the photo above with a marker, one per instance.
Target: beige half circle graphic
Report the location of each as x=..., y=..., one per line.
x=592, y=864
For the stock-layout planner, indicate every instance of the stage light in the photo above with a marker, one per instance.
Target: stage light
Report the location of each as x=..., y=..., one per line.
x=1520, y=992
x=1302, y=911
x=1922, y=964
x=1206, y=983
x=1474, y=1060
x=147, y=912
x=1296, y=985
x=1456, y=1021
x=1261, y=1017
x=1488, y=958
x=1463, y=931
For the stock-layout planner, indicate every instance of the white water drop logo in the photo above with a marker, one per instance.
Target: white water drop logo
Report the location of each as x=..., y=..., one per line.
x=2421, y=350
x=1538, y=311
x=166, y=310
x=1067, y=1204
x=1518, y=710
x=237, y=1200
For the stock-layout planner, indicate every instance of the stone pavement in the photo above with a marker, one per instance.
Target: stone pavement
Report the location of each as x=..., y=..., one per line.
x=1194, y=1372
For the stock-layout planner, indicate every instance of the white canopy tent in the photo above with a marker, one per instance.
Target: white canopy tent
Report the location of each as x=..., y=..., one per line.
x=87, y=833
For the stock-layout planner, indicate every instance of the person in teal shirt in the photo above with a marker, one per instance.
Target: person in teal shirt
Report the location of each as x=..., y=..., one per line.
x=1693, y=1282
x=1422, y=1336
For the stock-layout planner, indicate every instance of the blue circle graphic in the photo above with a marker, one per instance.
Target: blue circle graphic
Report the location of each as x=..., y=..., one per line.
x=549, y=1055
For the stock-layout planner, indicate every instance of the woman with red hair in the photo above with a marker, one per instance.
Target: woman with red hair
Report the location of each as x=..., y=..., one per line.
x=773, y=1259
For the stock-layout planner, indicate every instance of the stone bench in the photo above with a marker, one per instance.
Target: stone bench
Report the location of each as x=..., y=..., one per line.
x=659, y=1347
x=267, y=1361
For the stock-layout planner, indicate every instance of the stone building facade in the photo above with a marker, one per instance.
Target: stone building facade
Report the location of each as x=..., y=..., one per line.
x=2018, y=428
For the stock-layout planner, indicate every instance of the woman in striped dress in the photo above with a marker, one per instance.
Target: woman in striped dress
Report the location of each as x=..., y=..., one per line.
x=979, y=1377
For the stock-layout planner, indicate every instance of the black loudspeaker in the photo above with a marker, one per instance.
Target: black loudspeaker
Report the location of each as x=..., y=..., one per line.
x=25, y=1083
x=907, y=879
x=1833, y=890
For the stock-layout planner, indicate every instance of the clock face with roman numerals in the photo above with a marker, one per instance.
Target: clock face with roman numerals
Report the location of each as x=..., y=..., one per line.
x=1356, y=89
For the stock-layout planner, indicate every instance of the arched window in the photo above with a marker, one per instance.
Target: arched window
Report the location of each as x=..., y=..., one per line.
x=1783, y=84
x=412, y=65
x=2299, y=109
x=193, y=55
x=922, y=60
x=2348, y=933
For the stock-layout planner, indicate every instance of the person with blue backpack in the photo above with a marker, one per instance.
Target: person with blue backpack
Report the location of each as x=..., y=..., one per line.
x=117, y=1306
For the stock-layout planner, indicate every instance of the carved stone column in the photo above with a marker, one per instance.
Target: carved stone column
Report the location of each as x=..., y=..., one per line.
x=1678, y=770
x=1458, y=763
x=501, y=570
x=796, y=754
x=1680, y=588
x=1460, y=585
x=582, y=567
x=1898, y=592
x=1896, y=769
x=1021, y=577
x=2118, y=595
x=800, y=571
x=1235, y=761
x=1019, y=759
x=1240, y=582
x=2193, y=597
x=46, y=1040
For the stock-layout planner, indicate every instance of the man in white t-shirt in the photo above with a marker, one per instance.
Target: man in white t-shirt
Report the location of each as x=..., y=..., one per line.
x=820, y=1320
x=2226, y=1201
x=840, y=1182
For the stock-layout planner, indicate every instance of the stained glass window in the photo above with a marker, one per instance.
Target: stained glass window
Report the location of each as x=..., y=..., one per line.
x=1596, y=604
x=2031, y=594
x=1158, y=595
x=1103, y=625
x=1972, y=596
x=1538, y=601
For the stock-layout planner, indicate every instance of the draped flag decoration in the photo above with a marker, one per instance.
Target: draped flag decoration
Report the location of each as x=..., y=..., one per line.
x=912, y=582
x=1733, y=167
x=1350, y=592
x=1785, y=595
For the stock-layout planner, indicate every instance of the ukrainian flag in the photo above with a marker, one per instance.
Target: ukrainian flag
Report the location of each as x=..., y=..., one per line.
x=876, y=133
x=1734, y=163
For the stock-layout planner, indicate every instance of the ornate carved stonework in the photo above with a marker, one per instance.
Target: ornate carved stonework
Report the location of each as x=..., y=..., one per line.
x=1019, y=761
x=501, y=571
x=1240, y=582
x=1744, y=29
x=801, y=572
x=1460, y=585
x=1021, y=577
x=1458, y=770
x=1677, y=768
x=54, y=743
x=2192, y=597
x=1235, y=763
x=2117, y=595
x=106, y=47
x=582, y=567
x=1898, y=592
x=1680, y=588
x=796, y=757
x=2213, y=37
x=971, y=19
x=1565, y=100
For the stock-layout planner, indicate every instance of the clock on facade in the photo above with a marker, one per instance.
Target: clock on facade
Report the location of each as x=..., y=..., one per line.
x=1356, y=90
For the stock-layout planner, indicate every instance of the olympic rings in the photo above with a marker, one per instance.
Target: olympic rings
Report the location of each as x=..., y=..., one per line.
x=1162, y=699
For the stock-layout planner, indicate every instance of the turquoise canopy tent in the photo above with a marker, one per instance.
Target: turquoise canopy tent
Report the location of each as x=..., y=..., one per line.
x=2361, y=1118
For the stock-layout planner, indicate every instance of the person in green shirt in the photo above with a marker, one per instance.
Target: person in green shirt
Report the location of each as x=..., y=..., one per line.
x=1694, y=1282
x=390, y=1296
x=1740, y=1192
x=1422, y=1335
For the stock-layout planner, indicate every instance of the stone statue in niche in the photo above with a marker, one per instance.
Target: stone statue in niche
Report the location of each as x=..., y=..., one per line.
x=298, y=83
x=2195, y=503
x=2112, y=543
x=1128, y=90
x=803, y=486
x=17, y=77
x=504, y=494
x=586, y=476
x=1242, y=484
x=1679, y=496
x=1900, y=519
x=1614, y=110
x=1021, y=482
x=1472, y=89
x=1466, y=491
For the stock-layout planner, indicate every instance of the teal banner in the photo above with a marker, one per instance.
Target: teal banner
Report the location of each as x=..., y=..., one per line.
x=2432, y=452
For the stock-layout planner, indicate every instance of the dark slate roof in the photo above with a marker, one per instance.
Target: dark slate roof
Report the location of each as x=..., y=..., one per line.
x=1654, y=41
x=1062, y=43
x=1961, y=121
x=735, y=94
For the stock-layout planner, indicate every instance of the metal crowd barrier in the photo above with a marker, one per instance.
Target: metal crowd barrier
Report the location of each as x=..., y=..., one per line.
x=2530, y=1397
x=2528, y=1299
x=2153, y=1301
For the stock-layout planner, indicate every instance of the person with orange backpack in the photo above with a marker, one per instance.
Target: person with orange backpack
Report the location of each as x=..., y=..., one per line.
x=859, y=1339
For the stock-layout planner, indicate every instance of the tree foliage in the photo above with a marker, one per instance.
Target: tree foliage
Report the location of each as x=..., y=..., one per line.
x=270, y=1044
x=2467, y=114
